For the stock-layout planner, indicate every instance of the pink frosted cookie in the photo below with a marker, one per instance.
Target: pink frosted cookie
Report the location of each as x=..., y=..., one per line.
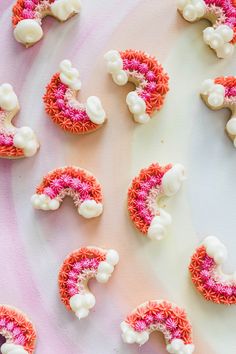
x=28, y=14
x=64, y=109
x=144, y=194
x=78, y=268
x=207, y=274
x=148, y=76
x=160, y=316
x=221, y=37
x=221, y=93
x=18, y=331
x=75, y=182
x=14, y=142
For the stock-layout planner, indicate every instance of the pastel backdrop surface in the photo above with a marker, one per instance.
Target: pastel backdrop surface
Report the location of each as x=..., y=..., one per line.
x=34, y=243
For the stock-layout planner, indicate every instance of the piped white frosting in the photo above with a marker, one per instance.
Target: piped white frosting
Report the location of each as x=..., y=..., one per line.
x=8, y=98
x=215, y=93
x=192, y=10
x=115, y=67
x=69, y=75
x=90, y=209
x=130, y=336
x=28, y=31
x=231, y=129
x=82, y=303
x=63, y=9
x=137, y=106
x=106, y=268
x=215, y=249
x=157, y=229
x=231, y=126
x=95, y=111
x=26, y=140
x=219, y=39
x=173, y=179
x=11, y=348
x=177, y=346
x=112, y=257
x=44, y=202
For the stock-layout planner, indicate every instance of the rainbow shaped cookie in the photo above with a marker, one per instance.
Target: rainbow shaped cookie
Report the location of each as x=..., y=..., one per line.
x=77, y=269
x=27, y=16
x=162, y=316
x=221, y=36
x=144, y=194
x=207, y=273
x=74, y=182
x=18, y=331
x=221, y=93
x=148, y=76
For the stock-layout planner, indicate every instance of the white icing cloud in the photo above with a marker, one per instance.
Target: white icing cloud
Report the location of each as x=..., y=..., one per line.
x=231, y=129
x=219, y=39
x=215, y=93
x=44, y=202
x=115, y=67
x=215, y=249
x=63, y=9
x=8, y=98
x=192, y=9
x=104, y=272
x=173, y=179
x=231, y=126
x=28, y=32
x=137, y=106
x=106, y=268
x=25, y=139
x=90, y=209
x=130, y=336
x=112, y=257
x=215, y=99
x=157, y=229
x=82, y=303
x=95, y=111
x=10, y=348
x=69, y=75
x=177, y=346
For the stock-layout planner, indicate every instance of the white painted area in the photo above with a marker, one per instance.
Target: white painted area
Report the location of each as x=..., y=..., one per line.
x=187, y=131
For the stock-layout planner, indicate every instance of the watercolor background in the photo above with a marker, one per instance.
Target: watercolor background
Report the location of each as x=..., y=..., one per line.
x=34, y=244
